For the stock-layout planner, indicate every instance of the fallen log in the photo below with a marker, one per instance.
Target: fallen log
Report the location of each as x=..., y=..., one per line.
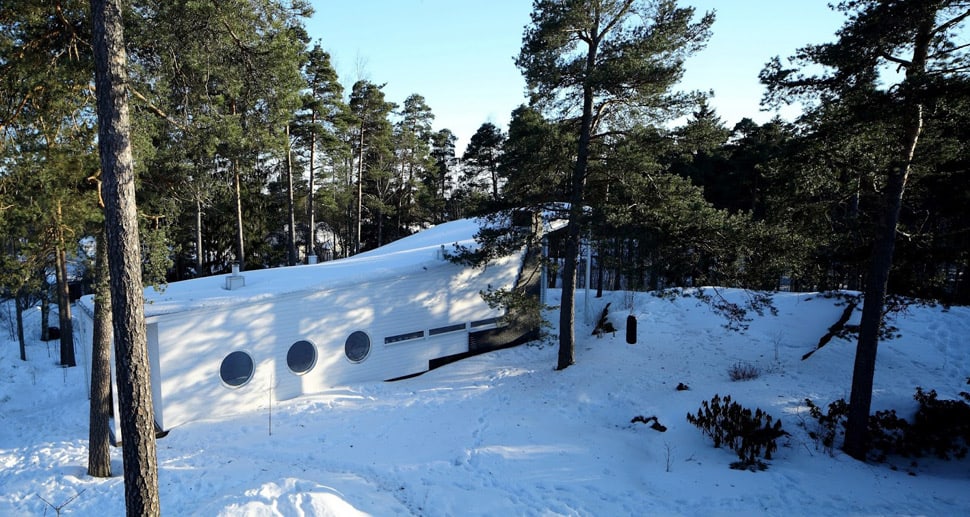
x=834, y=329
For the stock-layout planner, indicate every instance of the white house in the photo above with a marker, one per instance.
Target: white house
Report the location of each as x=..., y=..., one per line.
x=229, y=344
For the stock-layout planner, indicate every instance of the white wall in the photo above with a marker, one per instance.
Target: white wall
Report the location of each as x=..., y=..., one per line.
x=191, y=346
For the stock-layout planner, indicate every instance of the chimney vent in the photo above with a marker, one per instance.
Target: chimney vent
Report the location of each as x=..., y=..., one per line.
x=235, y=280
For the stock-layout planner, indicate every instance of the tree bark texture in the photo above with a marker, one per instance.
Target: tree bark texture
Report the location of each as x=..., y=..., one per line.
x=20, y=328
x=124, y=261
x=360, y=190
x=577, y=196
x=291, y=231
x=199, y=263
x=68, y=358
x=311, y=223
x=240, y=244
x=45, y=320
x=99, y=443
x=860, y=400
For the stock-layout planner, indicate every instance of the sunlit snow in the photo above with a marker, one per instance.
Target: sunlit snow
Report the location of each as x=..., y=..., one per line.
x=506, y=434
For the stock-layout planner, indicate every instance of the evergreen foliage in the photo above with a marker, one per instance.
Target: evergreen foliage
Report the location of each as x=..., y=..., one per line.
x=214, y=93
x=752, y=435
x=438, y=195
x=940, y=428
x=481, y=164
x=923, y=41
x=601, y=64
x=214, y=89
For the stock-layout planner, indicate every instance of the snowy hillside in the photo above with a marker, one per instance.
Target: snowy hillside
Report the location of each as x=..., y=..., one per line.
x=505, y=434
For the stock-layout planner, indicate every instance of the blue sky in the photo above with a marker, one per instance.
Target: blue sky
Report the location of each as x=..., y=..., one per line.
x=460, y=54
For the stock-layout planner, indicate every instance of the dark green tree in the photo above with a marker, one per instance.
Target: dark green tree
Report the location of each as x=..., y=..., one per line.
x=226, y=79
x=371, y=139
x=602, y=62
x=698, y=152
x=752, y=152
x=437, y=181
x=536, y=160
x=412, y=142
x=319, y=125
x=47, y=133
x=920, y=39
x=481, y=159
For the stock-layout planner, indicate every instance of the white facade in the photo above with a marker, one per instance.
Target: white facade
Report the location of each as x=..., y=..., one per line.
x=411, y=303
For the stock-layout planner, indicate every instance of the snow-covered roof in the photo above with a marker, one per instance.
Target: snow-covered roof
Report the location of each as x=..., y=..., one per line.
x=403, y=257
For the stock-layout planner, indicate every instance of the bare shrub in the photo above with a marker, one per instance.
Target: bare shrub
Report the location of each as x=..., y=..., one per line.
x=741, y=371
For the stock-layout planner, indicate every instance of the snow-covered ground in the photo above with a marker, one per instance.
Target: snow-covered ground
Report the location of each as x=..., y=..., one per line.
x=506, y=434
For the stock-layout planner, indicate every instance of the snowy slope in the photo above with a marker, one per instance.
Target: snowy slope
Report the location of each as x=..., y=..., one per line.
x=505, y=434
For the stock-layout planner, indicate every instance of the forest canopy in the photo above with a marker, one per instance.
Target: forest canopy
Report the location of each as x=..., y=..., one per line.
x=250, y=149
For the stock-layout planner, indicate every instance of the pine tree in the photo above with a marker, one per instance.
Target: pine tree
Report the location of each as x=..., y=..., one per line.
x=319, y=123
x=412, y=135
x=224, y=80
x=918, y=38
x=124, y=261
x=599, y=61
x=438, y=182
x=536, y=159
x=481, y=160
x=99, y=450
x=44, y=74
x=373, y=158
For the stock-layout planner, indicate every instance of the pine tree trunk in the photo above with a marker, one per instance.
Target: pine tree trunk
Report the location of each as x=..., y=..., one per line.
x=860, y=401
x=856, y=431
x=567, y=309
x=311, y=223
x=198, y=238
x=20, y=328
x=64, y=308
x=577, y=196
x=45, y=319
x=291, y=231
x=240, y=245
x=380, y=228
x=124, y=261
x=360, y=191
x=99, y=446
x=599, y=270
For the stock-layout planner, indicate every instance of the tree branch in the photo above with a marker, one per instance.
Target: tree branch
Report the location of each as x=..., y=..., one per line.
x=901, y=62
x=600, y=111
x=16, y=113
x=942, y=71
x=950, y=50
x=604, y=134
x=950, y=23
x=616, y=19
x=153, y=108
x=96, y=179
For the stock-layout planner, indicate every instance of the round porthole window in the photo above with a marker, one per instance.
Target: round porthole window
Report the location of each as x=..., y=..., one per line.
x=357, y=346
x=237, y=369
x=301, y=357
